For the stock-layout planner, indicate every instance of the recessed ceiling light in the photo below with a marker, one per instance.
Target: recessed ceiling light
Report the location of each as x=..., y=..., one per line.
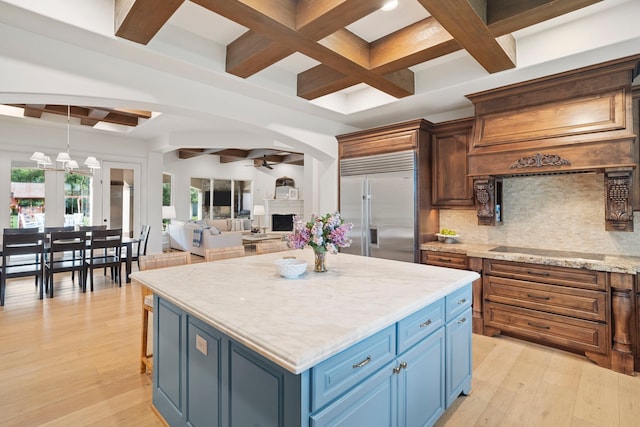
x=390, y=5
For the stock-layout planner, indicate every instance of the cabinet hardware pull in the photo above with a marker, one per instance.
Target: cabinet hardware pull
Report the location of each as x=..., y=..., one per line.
x=461, y=321
x=397, y=369
x=361, y=364
x=538, y=273
x=427, y=323
x=444, y=259
x=538, y=326
x=462, y=301
x=538, y=297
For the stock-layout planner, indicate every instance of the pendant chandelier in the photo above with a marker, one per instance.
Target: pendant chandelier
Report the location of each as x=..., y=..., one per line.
x=64, y=158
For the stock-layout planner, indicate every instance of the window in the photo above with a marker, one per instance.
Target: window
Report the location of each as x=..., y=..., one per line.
x=166, y=189
x=77, y=199
x=27, y=198
x=242, y=199
x=220, y=198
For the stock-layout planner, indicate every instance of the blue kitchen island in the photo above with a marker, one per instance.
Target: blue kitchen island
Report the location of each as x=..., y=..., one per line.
x=370, y=342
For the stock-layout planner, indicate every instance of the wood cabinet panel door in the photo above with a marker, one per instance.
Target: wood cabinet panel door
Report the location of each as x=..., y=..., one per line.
x=452, y=188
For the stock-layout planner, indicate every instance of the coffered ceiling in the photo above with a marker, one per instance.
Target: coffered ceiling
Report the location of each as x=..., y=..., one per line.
x=287, y=75
x=319, y=29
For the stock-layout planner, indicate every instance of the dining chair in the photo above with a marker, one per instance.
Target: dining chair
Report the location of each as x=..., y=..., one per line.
x=66, y=253
x=152, y=262
x=140, y=246
x=22, y=256
x=215, y=254
x=269, y=246
x=104, y=252
x=47, y=236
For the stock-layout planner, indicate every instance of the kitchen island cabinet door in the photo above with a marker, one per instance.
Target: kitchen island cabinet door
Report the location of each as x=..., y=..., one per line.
x=458, y=363
x=421, y=396
x=371, y=403
x=409, y=392
x=204, y=370
x=169, y=361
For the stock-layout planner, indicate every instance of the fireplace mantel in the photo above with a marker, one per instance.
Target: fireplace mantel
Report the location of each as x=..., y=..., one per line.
x=281, y=206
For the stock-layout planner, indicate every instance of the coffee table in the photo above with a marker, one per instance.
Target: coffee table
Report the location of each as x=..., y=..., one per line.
x=249, y=241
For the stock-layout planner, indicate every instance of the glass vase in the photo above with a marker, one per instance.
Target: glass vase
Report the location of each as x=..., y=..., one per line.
x=319, y=265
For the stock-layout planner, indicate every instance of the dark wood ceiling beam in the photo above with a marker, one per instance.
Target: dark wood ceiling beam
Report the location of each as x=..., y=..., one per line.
x=141, y=114
x=253, y=52
x=140, y=20
x=189, y=153
x=348, y=45
x=33, y=110
x=251, y=17
x=416, y=43
x=507, y=16
x=294, y=159
x=93, y=117
x=427, y=39
x=322, y=80
x=120, y=119
x=419, y=42
x=465, y=20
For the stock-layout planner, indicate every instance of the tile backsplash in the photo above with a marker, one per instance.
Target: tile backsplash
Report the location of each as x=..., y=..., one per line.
x=561, y=212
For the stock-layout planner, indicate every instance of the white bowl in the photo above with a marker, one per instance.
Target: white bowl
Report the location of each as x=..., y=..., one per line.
x=291, y=268
x=447, y=238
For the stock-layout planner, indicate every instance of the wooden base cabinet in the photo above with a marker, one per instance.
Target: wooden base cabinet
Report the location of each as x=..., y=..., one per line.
x=463, y=262
x=563, y=307
x=405, y=375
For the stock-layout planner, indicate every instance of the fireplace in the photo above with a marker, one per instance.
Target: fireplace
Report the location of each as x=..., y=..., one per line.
x=282, y=222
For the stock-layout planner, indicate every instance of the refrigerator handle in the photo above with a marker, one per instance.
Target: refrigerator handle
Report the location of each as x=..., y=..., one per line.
x=373, y=236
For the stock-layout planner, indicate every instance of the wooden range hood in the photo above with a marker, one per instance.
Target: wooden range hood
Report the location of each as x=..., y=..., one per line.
x=575, y=121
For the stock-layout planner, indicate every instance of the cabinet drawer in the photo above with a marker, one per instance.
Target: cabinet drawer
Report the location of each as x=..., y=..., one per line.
x=334, y=376
x=445, y=259
x=420, y=324
x=564, y=331
x=574, y=277
x=458, y=301
x=581, y=303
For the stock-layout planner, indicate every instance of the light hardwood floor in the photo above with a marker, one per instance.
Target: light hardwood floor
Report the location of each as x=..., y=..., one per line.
x=73, y=361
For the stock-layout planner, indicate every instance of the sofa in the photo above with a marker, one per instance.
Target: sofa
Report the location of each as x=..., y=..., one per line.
x=198, y=236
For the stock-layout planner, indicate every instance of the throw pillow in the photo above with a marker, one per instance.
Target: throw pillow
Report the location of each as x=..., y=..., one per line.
x=214, y=230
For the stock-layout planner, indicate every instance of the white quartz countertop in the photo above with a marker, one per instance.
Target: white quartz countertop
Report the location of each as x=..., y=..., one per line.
x=572, y=259
x=300, y=322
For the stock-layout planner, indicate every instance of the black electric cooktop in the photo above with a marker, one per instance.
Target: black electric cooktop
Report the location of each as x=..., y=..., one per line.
x=548, y=252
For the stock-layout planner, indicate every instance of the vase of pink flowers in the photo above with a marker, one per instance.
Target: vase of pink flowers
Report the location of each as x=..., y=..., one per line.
x=323, y=233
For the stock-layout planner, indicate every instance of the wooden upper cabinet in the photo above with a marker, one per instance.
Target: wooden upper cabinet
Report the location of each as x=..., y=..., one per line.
x=636, y=127
x=387, y=139
x=451, y=187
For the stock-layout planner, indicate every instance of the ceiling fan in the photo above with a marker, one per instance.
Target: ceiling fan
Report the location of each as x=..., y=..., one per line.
x=263, y=163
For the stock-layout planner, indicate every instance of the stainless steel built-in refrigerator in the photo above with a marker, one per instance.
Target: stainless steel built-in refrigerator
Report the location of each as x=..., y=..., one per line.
x=378, y=195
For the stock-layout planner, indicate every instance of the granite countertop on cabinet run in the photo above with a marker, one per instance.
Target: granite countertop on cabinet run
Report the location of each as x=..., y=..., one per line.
x=298, y=323
x=589, y=261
